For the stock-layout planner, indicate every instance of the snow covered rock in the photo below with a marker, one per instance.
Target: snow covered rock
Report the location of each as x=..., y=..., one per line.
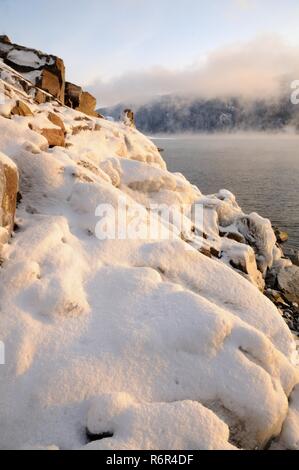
x=45, y=71
x=185, y=425
x=289, y=438
x=128, y=118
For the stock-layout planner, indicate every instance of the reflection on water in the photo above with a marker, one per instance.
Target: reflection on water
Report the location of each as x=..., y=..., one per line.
x=261, y=170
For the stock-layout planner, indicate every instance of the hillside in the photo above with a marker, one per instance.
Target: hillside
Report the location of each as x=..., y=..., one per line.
x=177, y=114
x=135, y=340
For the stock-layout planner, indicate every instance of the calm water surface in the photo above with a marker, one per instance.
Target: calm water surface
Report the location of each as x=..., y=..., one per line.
x=261, y=170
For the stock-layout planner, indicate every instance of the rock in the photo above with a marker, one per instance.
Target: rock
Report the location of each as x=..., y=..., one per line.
x=9, y=183
x=214, y=252
x=288, y=282
x=80, y=100
x=42, y=70
x=5, y=39
x=72, y=95
x=294, y=257
x=205, y=252
x=242, y=258
x=55, y=137
x=87, y=104
x=232, y=235
x=52, y=81
x=281, y=236
x=56, y=120
x=276, y=297
x=259, y=234
x=128, y=118
x=21, y=109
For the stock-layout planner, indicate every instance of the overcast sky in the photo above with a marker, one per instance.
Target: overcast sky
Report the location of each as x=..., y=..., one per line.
x=126, y=49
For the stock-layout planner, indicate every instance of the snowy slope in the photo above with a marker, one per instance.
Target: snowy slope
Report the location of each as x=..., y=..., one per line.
x=147, y=340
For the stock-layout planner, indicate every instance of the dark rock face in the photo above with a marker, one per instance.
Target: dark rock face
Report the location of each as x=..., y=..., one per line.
x=80, y=100
x=9, y=182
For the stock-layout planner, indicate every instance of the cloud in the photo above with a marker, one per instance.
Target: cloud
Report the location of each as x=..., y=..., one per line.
x=261, y=68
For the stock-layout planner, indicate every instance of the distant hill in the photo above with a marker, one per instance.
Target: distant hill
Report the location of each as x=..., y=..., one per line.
x=174, y=114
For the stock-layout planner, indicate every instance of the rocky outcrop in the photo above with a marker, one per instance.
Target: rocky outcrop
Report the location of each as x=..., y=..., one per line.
x=47, y=73
x=44, y=71
x=80, y=100
x=9, y=181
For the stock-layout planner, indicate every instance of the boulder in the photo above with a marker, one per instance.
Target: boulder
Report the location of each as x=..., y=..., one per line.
x=56, y=120
x=281, y=236
x=21, y=109
x=288, y=283
x=88, y=104
x=55, y=137
x=80, y=100
x=9, y=183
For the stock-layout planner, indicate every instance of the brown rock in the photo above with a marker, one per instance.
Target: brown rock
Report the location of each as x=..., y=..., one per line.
x=21, y=109
x=281, y=236
x=5, y=39
x=9, y=182
x=206, y=252
x=55, y=137
x=87, y=104
x=76, y=130
x=232, y=236
x=56, y=120
x=72, y=95
x=52, y=80
x=80, y=100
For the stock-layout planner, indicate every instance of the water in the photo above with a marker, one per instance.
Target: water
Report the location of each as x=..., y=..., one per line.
x=261, y=170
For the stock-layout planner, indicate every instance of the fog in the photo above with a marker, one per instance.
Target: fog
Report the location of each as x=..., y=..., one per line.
x=261, y=68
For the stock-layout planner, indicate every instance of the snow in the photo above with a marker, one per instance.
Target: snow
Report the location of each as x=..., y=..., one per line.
x=183, y=425
x=26, y=58
x=144, y=338
x=289, y=438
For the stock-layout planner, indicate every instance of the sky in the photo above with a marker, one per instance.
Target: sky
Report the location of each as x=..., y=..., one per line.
x=130, y=49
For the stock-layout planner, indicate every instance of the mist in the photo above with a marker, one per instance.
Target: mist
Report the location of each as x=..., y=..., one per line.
x=262, y=68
